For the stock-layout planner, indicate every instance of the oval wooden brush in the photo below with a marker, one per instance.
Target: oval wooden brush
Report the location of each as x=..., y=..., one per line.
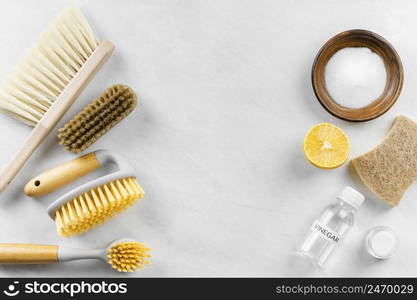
x=49, y=79
x=123, y=255
x=97, y=118
x=93, y=202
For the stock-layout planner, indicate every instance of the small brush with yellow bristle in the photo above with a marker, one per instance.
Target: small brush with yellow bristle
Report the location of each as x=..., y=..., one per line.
x=127, y=256
x=92, y=203
x=123, y=255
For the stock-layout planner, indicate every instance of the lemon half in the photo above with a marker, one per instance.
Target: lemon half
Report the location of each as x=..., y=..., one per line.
x=326, y=146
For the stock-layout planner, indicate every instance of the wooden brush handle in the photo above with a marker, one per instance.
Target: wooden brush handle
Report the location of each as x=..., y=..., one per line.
x=56, y=111
x=35, y=138
x=61, y=175
x=28, y=254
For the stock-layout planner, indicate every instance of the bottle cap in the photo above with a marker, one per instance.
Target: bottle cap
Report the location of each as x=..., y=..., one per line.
x=381, y=242
x=352, y=197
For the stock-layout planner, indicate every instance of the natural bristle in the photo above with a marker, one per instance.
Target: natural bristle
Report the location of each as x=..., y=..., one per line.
x=97, y=118
x=48, y=67
x=96, y=206
x=128, y=256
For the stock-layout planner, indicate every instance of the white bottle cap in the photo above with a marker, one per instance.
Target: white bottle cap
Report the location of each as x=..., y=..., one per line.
x=352, y=197
x=381, y=242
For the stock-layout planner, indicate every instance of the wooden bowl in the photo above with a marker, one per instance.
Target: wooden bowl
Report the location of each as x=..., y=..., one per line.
x=393, y=66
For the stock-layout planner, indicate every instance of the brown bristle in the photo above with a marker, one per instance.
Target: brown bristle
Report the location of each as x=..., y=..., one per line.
x=97, y=118
x=128, y=256
x=96, y=206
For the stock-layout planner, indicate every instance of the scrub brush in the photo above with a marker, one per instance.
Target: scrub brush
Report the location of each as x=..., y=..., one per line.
x=97, y=118
x=93, y=202
x=123, y=255
x=49, y=78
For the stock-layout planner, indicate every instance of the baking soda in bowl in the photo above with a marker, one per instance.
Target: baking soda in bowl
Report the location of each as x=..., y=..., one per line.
x=355, y=77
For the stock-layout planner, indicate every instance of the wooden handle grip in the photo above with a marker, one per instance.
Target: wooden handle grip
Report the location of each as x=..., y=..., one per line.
x=32, y=142
x=28, y=254
x=61, y=175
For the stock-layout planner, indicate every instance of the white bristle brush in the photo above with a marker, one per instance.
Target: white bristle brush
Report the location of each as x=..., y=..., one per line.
x=123, y=255
x=48, y=79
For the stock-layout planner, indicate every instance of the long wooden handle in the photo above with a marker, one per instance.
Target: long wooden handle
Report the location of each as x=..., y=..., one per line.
x=61, y=175
x=55, y=112
x=28, y=254
x=32, y=142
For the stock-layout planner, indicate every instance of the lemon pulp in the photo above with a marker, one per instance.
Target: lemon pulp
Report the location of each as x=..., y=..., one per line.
x=326, y=146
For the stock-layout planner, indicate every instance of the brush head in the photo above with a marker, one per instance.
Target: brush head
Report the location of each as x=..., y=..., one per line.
x=127, y=256
x=48, y=67
x=96, y=206
x=97, y=118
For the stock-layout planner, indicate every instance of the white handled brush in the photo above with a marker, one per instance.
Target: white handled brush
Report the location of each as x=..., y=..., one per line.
x=93, y=202
x=123, y=255
x=48, y=80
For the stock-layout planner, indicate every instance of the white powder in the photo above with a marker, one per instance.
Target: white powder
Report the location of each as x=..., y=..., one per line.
x=383, y=243
x=355, y=77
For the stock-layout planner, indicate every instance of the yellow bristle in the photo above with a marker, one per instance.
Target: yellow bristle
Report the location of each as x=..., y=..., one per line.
x=104, y=200
x=128, y=256
x=96, y=206
x=117, y=196
x=130, y=189
x=110, y=198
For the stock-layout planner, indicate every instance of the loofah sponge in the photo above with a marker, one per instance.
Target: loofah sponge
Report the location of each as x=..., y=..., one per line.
x=391, y=167
x=97, y=118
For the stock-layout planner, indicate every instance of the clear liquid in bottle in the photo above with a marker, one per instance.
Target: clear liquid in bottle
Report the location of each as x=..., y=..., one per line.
x=328, y=231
